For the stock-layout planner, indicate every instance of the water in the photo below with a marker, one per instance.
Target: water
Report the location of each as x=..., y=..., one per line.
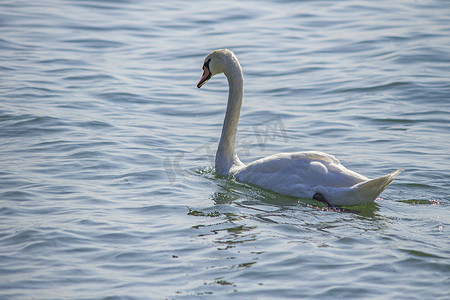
x=106, y=180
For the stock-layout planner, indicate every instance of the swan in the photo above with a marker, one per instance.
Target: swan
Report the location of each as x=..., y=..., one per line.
x=311, y=174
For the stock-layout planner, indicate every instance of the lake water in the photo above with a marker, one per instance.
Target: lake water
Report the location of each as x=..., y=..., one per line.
x=106, y=181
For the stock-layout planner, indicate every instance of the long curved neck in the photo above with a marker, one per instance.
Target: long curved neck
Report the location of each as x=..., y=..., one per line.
x=226, y=157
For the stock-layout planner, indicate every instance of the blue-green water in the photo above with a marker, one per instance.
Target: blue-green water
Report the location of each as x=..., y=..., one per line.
x=106, y=149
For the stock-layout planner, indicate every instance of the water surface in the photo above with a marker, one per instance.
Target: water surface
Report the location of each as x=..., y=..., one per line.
x=106, y=180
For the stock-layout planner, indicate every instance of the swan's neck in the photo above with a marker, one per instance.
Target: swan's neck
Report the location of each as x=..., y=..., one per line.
x=227, y=160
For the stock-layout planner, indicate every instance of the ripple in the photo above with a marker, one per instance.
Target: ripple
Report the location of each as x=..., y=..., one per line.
x=122, y=97
x=382, y=87
x=89, y=78
x=95, y=43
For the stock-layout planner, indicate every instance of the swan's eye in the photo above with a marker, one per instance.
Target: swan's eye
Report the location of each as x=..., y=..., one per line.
x=206, y=64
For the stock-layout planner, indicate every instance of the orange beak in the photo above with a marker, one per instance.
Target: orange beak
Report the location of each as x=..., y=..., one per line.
x=205, y=77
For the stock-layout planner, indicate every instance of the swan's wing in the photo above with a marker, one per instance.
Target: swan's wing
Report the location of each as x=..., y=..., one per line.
x=299, y=173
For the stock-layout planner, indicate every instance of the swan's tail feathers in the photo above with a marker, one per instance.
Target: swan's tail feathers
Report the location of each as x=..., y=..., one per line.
x=371, y=189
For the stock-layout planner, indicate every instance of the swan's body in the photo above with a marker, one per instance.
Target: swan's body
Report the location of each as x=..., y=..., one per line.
x=299, y=174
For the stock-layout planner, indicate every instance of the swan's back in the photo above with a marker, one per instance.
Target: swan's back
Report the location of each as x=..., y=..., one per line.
x=299, y=174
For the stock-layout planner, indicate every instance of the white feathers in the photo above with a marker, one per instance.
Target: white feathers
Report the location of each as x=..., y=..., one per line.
x=299, y=174
x=318, y=168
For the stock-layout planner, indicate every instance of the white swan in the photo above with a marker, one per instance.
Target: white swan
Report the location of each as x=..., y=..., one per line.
x=308, y=174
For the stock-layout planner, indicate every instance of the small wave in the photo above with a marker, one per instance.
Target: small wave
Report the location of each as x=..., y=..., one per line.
x=421, y=202
x=90, y=78
x=123, y=97
x=375, y=88
x=418, y=253
x=96, y=43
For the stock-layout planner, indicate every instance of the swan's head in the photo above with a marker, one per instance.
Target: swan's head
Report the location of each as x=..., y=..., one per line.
x=218, y=61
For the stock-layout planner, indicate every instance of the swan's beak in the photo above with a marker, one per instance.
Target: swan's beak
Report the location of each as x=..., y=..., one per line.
x=205, y=77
